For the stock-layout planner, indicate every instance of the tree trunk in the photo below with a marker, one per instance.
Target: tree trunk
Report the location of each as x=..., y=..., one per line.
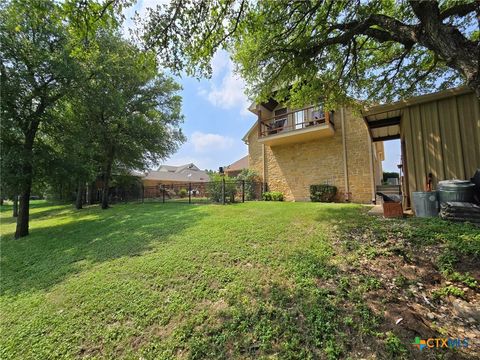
x=26, y=186
x=24, y=211
x=106, y=179
x=15, y=206
x=1, y=201
x=79, y=200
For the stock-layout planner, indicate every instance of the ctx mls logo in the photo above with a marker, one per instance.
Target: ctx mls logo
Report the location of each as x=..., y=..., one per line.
x=419, y=343
x=430, y=343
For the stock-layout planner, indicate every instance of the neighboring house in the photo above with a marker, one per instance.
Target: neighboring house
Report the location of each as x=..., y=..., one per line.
x=236, y=168
x=439, y=132
x=170, y=175
x=292, y=149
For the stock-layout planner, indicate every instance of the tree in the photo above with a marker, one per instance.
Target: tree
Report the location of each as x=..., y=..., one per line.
x=377, y=50
x=73, y=157
x=133, y=108
x=41, y=43
x=36, y=71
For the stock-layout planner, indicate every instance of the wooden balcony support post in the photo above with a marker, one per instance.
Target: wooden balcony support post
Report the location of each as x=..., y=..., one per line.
x=327, y=117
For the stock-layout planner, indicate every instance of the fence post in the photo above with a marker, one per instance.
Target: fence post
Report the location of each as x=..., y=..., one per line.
x=223, y=191
x=190, y=193
x=163, y=193
x=243, y=191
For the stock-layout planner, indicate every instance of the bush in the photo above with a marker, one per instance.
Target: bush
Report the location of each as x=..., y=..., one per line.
x=273, y=196
x=214, y=188
x=182, y=193
x=323, y=193
x=251, y=179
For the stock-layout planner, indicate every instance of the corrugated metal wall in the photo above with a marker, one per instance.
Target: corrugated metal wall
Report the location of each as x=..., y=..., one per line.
x=441, y=137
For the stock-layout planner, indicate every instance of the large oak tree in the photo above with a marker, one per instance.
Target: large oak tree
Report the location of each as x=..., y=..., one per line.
x=378, y=50
x=36, y=71
x=54, y=53
x=133, y=110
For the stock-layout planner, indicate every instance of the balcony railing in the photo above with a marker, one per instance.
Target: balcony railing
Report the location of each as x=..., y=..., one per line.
x=305, y=118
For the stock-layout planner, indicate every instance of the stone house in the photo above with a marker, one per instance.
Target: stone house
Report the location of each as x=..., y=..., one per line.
x=292, y=149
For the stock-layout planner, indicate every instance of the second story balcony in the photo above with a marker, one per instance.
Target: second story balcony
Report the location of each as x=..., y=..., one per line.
x=301, y=125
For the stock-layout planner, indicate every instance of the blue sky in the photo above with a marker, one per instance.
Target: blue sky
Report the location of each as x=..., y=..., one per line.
x=216, y=115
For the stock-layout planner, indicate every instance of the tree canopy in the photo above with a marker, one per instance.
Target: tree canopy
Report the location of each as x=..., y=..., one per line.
x=133, y=109
x=377, y=50
x=77, y=99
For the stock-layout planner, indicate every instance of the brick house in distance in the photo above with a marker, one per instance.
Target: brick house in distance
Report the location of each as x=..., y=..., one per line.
x=292, y=149
x=236, y=168
x=171, y=175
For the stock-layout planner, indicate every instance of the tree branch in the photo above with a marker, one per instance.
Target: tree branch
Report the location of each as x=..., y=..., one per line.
x=459, y=10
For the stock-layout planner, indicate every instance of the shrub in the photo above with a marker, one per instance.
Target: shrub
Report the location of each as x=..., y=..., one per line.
x=214, y=188
x=394, y=346
x=322, y=193
x=182, y=193
x=251, y=179
x=448, y=290
x=272, y=196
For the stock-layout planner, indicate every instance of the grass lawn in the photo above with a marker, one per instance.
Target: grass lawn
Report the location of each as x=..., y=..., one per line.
x=253, y=280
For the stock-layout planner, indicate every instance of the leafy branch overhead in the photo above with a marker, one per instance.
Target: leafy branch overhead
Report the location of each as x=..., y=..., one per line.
x=377, y=50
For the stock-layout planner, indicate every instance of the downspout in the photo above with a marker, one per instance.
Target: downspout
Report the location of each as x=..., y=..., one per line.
x=344, y=142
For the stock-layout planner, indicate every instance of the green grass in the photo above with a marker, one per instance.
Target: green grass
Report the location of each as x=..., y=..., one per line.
x=162, y=281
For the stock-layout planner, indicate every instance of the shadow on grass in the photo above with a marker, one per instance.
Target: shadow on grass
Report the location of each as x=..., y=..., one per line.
x=53, y=252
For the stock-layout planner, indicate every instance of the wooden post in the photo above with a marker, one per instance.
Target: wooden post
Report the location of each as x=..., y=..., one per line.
x=163, y=193
x=327, y=117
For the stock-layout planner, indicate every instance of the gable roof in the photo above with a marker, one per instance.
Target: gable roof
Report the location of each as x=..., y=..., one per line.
x=239, y=164
x=184, y=173
x=167, y=168
x=178, y=169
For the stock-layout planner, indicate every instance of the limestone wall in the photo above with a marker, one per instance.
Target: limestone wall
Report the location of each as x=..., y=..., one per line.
x=292, y=168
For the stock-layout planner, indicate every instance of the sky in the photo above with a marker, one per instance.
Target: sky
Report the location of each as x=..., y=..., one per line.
x=216, y=115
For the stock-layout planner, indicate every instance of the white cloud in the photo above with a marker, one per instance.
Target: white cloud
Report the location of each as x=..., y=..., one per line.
x=220, y=62
x=204, y=142
x=226, y=89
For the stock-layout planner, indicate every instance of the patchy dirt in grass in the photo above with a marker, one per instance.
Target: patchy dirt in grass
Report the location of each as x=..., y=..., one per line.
x=415, y=291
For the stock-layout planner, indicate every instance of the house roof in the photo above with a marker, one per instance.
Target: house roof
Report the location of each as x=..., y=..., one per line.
x=184, y=173
x=238, y=165
x=178, y=169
